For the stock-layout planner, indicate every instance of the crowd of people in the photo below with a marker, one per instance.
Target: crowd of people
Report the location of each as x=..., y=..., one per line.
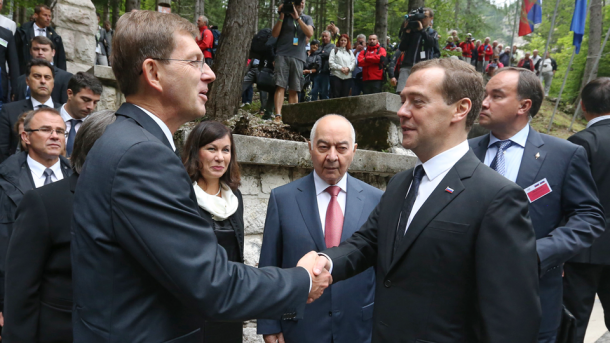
x=109, y=234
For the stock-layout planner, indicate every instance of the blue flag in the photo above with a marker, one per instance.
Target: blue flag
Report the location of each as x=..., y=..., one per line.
x=578, y=22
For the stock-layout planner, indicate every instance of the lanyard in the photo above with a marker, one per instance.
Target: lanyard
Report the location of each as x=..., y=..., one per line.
x=296, y=25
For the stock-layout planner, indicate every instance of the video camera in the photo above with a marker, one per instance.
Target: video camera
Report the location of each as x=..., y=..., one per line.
x=415, y=17
x=288, y=6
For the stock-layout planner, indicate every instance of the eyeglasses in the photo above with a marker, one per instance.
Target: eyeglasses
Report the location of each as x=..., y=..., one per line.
x=196, y=64
x=47, y=131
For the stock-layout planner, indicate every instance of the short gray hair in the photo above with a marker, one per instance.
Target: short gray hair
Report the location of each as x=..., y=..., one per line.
x=312, y=135
x=204, y=19
x=32, y=114
x=326, y=31
x=361, y=36
x=89, y=132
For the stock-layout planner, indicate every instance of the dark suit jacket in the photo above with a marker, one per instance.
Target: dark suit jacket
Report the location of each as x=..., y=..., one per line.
x=574, y=199
x=292, y=229
x=8, y=117
x=146, y=266
x=23, y=39
x=38, y=306
x=8, y=54
x=596, y=141
x=466, y=269
x=60, y=87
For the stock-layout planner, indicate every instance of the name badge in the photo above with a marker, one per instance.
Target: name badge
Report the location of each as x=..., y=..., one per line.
x=3, y=42
x=422, y=54
x=538, y=190
x=295, y=41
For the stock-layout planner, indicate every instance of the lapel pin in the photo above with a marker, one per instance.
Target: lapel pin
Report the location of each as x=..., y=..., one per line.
x=537, y=155
x=449, y=190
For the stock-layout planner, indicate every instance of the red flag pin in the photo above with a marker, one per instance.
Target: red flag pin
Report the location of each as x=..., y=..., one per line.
x=449, y=190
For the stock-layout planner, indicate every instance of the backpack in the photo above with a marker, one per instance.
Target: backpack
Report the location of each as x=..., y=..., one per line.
x=216, y=35
x=383, y=64
x=259, y=49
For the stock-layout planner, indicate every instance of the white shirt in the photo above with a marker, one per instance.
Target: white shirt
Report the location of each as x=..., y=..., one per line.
x=536, y=59
x=436, y=169
x=597, y=120
x=512, y=155
x=36, y=104
x=38, y=32
x=37, y=170
x=324, y=197
x=547, y=66
x=8, y=24
x=67, y=117
x=164, y=128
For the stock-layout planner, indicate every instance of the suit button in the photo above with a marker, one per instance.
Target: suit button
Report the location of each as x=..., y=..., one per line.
x=387, y=283
x=330, y=314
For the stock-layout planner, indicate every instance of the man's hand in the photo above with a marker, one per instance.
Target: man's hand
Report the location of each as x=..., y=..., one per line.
x=305, y=72
x=276, y=338
x=279, y=10
x=393, y=82
x=295, y=14
x=320, y=277
x=345, y=70
x=421, y=27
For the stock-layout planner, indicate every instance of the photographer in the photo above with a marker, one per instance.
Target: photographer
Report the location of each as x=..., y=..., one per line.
x=292, y=32
x=418, y=41
x=467, y=48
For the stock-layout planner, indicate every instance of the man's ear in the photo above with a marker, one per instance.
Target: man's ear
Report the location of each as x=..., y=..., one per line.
x=524, y=107
x=53, y=52
x=152, y=74
x=462, y=108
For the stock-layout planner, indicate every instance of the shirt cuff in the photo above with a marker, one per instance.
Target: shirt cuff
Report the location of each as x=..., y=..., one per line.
x=328, y=258
x=310, y=281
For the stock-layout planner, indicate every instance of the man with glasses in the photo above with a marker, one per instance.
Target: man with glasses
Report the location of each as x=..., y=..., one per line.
x=45, y=136
x=40, y=77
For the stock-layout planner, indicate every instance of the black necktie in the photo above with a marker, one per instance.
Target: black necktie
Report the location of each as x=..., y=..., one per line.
x=42, y=106
x=72, y=135
x=407, y=205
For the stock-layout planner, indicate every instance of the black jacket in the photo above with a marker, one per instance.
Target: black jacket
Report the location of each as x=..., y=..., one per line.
x=23, y=39
x=38, y=292
x=324, y=53
x=411, y=43
x=8, y=54
x=8, y=117
x=15, y=181
x=60, y=87
x=313, y=61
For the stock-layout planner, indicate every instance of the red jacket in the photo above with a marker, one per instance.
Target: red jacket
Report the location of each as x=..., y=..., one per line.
x=370, y=61
x=485, y=51
x=522, y=62
x=467, y=49
x=206, y=42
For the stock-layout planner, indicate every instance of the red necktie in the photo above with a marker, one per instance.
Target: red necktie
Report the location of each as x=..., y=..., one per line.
x=334, y=219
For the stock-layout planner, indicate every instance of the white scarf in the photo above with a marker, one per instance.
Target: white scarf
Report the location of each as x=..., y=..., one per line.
x=219, y=208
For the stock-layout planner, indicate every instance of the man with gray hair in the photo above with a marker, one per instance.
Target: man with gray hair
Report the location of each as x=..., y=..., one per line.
x=359, y=46
x=205, y=39
x=321, y=86
x=324, y=207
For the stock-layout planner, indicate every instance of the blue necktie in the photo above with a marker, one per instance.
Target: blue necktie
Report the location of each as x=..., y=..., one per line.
x=27, y=93
x=71, y=135
x=407, y=205
x=499, y=162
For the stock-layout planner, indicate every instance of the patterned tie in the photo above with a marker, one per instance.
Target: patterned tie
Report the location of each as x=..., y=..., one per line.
x=42, y=32
x=41, y=106
x=499, y=162
x=48, y=173
x=334, y=219
x=71, y=135
x=407, y=205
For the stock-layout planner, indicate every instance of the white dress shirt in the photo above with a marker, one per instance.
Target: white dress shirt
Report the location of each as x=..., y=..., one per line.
x=36, y=104
x=37, y=170
x=435, y=168
x=597, y=120
x=162, y=125
x=512, y=155
x=39, y=31
x=67, y=117
x=8, y=24
x=324, y=197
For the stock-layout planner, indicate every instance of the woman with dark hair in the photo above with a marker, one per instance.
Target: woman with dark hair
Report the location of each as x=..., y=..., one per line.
x=342, y=62
x=211, y=162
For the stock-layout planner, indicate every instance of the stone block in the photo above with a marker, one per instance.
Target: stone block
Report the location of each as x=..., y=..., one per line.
x=103, y=73
x=74, y=67
x=272, y=177
x=255, y=211
x=298, y=173
x=252, y=249
x=76, y=15
x=250, y=336
x=108, y=99
x=67, y=37
x=250, y=185
x=84, y=48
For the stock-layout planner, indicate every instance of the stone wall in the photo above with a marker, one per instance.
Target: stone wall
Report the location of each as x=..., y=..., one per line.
x=111, y=98
x=284, y=162
x=76, y=22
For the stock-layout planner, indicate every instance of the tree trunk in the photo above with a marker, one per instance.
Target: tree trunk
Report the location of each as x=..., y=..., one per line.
x=350, y=18
x=255, y=28
x=116, y=4
x=455, y=14
x=229, y=62
x=342, y=16
x=272, y=12
x=106, y=12
x=23, y=15
x=414, y=4
x=595, y=40
x=381, y=21
x=468, y=16
x=131, y=5
x=199, y=9
x=318, y=19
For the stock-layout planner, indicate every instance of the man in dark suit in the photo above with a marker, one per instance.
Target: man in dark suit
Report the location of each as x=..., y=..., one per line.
x=146, y=265
x=43, y=48
x=40, y=78
x=326, y=207
x=8, y=56
x=41, y=165
x=555, y=175
x=588, y=272
x=39, y=27
x=451, y=240
x=38, y=290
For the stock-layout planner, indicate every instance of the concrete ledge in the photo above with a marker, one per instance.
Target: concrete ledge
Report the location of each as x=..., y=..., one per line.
x=275, y=152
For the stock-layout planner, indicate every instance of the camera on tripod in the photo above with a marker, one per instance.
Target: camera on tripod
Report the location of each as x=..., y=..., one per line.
x=415, y=17
x=288, y=6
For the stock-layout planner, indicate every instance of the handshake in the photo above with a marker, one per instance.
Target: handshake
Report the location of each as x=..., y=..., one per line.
x=318, y=267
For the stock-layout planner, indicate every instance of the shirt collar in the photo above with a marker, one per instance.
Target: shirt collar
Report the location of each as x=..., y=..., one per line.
x=67, y=116
x=36, y=103
x=444, y=161
x=321, y=185
x=38, y=168
x=36, y=28
x=164, y=128
x=597, y=120
x=519, y=138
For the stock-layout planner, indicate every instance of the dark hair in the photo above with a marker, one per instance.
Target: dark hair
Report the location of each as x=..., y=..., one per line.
x=348, y=46
x=87, y=135
x=40, y=7
x=82, y=80
x=205, y=133
x=21, y=120
x=42, y=40
x=461, y=81
x=596, y=96
x=528, y=87
x=38, y=62
x=314, y=42
x=430, y=11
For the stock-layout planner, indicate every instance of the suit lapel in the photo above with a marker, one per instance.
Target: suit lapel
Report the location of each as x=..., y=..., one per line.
x=353, y=208
x=308, y=205
x=396, y=207
x=26, y=181
x=532, y=160
x=481, y=149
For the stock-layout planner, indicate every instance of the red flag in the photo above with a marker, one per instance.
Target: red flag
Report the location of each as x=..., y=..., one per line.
x=531, y=13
